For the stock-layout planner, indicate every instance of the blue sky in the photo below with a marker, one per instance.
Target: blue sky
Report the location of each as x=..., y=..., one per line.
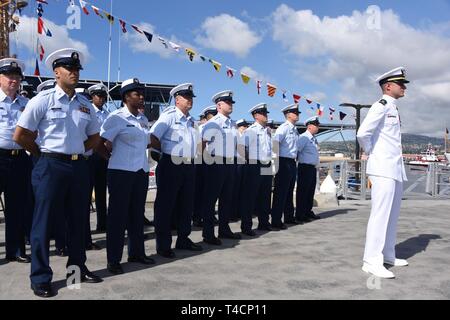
x=329, y=51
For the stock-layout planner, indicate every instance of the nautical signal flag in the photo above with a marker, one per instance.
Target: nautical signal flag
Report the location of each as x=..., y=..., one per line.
x=97, y=11
x=36, y=69
x=148, y=35
x=109, y=17
x=83, y=7
x=136, y=28
x=174, y=46
x=216, y=65
x=123, y=26
x=284, y=96
x=258, y=86
x=296, y=98
x=309, y=101
x=230, y=72
x=245, y=78
x=271, y=90
x=342, y=115
x=190, y=53
x=40, y=25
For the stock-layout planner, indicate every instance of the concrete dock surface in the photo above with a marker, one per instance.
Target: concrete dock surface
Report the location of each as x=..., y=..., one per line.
x=318, y=260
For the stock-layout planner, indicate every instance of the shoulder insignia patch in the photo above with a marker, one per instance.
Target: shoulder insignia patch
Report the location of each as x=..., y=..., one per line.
x=383, y=102
x=85, y=109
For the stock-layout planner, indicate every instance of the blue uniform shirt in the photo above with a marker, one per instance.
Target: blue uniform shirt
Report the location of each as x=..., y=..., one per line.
x=63, y=124
x=258, y=142
x=130, y=137
x=101, y=117
x=308, y=152
x=220, y=134
x=10, y=112
x=177, y=133
x=287, y=135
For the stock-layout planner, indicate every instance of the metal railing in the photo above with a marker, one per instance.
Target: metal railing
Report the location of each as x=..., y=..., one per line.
x=438, y=180
x=350, y=177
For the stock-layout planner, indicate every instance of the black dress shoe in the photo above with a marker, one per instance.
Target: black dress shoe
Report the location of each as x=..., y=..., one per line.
x=291, y=221
x=212, y=241
x=189, y=245
x=114, y=268
x=166, y=253
x=60, y=252
x=142, y=260
x=93, y=246
x=20, y=259
x=265, y=228
x=249, y=233
x=230, y=235
x=279, y=226
x=313, y=216
x=89, y=277
x=43, y=290
x=303, y=220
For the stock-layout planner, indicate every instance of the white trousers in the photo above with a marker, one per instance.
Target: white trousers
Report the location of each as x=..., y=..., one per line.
x=382, y=227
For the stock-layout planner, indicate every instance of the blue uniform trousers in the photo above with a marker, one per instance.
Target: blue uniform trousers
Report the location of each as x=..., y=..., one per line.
x=127, y=196
x=283, y=191
x=100, y=168
x=256, y=195
x=15, y=181
x=306, y=187
x=198, y=200
x=237, y=190
x=60, y=190
x=97, y=181
x=218, y=185
x=175, y=191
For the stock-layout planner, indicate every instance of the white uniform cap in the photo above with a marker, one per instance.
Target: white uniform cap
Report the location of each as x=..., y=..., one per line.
x=210, y=109
x=183, y=89
x=258, y=108
x=241, y=122
x=68, y=57
x=100, y=87
x=290, y=108
x=49, y=84
x=226, y=95
x=394, y=75
x=11, y=65
x=314, y=119
x=130, y=85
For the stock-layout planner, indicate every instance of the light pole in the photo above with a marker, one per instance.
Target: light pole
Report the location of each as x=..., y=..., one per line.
x=358, y=108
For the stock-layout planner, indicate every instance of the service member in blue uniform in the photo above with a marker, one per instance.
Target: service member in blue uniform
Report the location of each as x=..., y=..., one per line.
x=67, y=128
x=207, y=114
x=257, y=181
x=126, y=133
x=48, y=84
x=97, y=163
x=308, y=160
x=285, y=147
x=174, y=145
x=219, y=143
x=241, y=126
x=15, y=164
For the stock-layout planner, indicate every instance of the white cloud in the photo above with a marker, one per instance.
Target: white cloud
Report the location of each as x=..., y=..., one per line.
x=228, y=34
x=316, y=96
x=346, y=50
x=26, y=38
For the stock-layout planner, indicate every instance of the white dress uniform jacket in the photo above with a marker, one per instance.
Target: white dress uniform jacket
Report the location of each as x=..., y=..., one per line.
x=380, y=137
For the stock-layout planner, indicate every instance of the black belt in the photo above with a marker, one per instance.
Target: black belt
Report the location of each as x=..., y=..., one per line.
x=64, y=157
x=307, y=165
x=12, y=153
x=287, y=159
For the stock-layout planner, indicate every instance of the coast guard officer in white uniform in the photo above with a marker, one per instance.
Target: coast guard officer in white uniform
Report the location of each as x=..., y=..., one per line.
x=380, y=137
